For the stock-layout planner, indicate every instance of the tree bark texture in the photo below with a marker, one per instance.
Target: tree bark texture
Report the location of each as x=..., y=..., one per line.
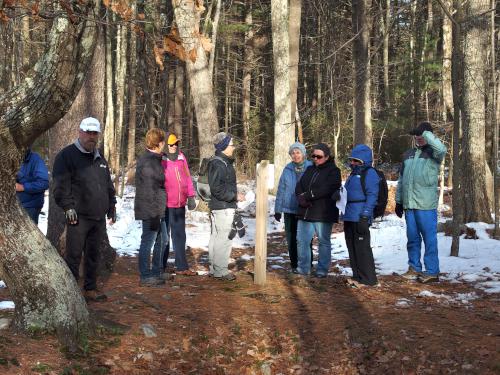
x=45, y=294
x=446, y=72
x=179, y=99
x=284, y=128
x=475, y=38
x=248, y=66
x=132, y=121
x=109, y=129
x=294, y=31
x=362, y=118
x=187, y=17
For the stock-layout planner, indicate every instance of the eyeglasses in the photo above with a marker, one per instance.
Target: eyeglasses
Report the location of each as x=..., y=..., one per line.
x=176, y=144
x=319, y=157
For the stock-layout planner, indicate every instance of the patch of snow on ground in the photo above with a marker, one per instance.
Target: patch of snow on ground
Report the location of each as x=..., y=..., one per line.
x=7, y=305
x=464, y=298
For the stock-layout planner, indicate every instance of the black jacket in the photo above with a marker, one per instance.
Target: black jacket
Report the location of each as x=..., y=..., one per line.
x=317, y=185
x=222, y=182
x=150, y=195
x=82, y=181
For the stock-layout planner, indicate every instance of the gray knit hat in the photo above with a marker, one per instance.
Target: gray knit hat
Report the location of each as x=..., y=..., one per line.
x=298, y=146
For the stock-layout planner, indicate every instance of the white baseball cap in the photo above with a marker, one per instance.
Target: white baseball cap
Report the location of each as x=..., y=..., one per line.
x=90, y=124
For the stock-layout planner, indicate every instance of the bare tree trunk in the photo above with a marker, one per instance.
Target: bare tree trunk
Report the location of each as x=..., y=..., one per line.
x=132, y=121
x=385, y=59
x=284, y=129
x=294, y=31
x=247, y=73
x=495, y=121
x=215, y=27
x=109, y=129
x=477, y=207
x=187, y=16
x=446, y=72
x=179, y=99
x=457, y=85
x=362, y=119
x=45, y=294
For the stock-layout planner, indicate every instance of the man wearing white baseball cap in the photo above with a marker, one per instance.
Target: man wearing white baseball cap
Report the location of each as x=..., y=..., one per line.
x=84, y=190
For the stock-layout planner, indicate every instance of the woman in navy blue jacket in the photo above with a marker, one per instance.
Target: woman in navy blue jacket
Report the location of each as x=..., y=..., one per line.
x=31, y=182
x=359, y=215
x=286, y=201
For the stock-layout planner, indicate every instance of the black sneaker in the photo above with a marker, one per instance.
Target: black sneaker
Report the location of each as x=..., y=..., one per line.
x=425, y=279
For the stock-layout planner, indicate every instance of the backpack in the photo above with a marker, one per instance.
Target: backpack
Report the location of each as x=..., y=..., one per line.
x=202, y=186
x=383, y=192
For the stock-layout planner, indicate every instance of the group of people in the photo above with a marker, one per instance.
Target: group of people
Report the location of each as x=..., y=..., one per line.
x=306, y=200
x=307, y=195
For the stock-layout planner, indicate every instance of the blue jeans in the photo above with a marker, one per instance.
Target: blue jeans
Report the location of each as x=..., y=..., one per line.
x=33, y=213
x=149, y=238
x=422, y=224
x=175, y=219
x=305, y=233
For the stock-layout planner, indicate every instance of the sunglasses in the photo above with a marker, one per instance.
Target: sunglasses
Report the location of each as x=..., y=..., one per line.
x=319, y=157
x=175, y=144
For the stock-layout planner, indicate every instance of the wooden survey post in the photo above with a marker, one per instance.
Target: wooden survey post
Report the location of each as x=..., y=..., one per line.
x=261, y=223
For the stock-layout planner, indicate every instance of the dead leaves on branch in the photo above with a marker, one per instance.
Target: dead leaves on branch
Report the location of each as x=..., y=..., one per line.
x=121, y=8
x=172, y=44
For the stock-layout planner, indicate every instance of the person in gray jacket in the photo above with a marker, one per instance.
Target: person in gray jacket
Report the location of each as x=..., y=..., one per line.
x=223, y=202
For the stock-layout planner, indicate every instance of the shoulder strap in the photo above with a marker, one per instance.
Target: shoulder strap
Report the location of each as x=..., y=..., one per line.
x=363, y=178
x=217, y=157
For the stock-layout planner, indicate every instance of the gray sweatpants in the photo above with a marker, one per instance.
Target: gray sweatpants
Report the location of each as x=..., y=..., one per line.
x=219, y=247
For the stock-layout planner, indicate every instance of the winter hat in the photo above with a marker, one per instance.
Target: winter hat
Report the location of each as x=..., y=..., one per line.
x=222, y=140
x=422, y=127
x=297, y=146
x=323, y=147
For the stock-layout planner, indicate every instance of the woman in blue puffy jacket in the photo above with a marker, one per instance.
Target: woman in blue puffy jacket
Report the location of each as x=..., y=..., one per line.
x=286, y=200
x=359, y=215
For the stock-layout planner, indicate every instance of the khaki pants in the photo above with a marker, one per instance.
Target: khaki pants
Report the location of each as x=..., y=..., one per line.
x=219, y=247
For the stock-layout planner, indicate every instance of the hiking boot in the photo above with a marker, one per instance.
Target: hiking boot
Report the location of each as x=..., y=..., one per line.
x=411, y=274
x=152, y=281
x=320, y=275
x=226, y=277
x=294, y=270
x=94, y=295
x=424, y=279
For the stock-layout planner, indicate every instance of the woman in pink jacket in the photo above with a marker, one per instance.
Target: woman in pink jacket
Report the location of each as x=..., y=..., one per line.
x=180, y=190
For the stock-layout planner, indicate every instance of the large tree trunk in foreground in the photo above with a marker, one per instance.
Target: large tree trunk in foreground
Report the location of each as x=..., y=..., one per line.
x=284, y=128
x=362, y=115
x=44, y=292
x=187, y=17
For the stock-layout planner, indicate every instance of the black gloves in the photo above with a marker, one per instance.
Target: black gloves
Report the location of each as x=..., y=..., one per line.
x=191, y=203
x=112, y=214
x=399, y=210
x=154, y=224
x=336, y=195
x=237, y=227
x=363, y=226
x=303, y=202
x=277, y=216
x=71, y=216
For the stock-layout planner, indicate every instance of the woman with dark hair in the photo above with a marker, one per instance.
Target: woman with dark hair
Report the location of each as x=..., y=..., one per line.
x=317, y=210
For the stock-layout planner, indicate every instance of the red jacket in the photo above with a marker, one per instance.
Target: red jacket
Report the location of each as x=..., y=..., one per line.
x=178, y=183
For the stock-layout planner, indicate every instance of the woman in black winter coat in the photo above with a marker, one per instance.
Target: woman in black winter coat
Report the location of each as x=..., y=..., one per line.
x=150, y=203
x=317, y=210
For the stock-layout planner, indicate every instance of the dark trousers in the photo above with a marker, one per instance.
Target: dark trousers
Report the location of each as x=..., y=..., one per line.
x=85, y=237
x=175, y=218
x=33, y=213
x=291, y=238
x=360, y=254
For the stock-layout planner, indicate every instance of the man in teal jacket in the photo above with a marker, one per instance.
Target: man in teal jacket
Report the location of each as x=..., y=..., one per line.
x=417, y=197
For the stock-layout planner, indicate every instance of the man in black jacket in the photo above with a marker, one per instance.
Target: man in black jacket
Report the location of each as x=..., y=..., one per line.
x=224, y=197
x=317, y=210
x=84, y=190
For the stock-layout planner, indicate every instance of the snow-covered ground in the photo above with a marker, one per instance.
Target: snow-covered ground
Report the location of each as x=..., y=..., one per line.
x=478, y=263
